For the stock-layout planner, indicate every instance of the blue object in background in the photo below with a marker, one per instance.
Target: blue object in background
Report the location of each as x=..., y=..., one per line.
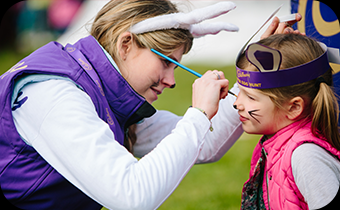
x=319, y=21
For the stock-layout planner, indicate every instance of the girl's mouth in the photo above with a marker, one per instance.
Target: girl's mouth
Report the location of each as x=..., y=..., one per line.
x=243, y=119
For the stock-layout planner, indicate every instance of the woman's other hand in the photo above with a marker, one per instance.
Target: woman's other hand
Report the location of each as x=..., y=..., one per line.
x=282, y=28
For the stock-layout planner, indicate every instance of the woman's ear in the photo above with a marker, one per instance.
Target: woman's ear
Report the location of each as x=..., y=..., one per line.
x=124, y=44
x=295, y=107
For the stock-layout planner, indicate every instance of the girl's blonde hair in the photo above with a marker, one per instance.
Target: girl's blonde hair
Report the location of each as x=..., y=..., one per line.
x=117, y=16
x=320, y=101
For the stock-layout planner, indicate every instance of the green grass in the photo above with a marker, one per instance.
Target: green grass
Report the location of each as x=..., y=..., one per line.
x=9, y=58
x=206, y=186
x=215, y=185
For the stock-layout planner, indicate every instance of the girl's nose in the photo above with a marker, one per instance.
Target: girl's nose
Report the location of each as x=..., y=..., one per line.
x=237, y=105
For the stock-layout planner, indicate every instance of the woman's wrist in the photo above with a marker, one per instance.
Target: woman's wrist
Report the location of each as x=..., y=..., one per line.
x=201, y=110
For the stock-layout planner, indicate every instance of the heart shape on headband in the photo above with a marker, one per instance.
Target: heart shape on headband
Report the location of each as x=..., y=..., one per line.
x=264, y=58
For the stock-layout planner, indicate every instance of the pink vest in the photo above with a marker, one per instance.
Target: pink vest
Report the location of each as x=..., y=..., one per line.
x=279, y=188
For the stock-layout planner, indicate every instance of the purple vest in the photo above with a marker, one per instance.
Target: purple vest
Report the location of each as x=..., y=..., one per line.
x=26, y=179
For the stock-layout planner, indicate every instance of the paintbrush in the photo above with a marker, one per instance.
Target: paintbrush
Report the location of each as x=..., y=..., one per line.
x=183, y=67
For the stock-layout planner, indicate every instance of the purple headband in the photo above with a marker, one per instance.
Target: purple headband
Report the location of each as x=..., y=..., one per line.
x=268, y=62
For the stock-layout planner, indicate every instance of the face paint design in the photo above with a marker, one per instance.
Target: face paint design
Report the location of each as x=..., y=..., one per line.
x=252, y=114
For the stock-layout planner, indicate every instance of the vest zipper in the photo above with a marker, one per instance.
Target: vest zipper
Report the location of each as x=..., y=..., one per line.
x=267, y=180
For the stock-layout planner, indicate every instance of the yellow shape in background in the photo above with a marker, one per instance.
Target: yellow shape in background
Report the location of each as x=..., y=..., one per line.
x=323, y=27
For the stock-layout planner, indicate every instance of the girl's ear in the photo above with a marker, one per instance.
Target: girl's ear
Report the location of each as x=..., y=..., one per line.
x=124, y=44
x=296, y=107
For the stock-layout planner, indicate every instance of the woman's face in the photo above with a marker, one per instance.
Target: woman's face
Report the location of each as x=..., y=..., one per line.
x=148, y=73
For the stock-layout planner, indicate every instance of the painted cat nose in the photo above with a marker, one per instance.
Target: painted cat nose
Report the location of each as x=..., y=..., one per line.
x=235, y=106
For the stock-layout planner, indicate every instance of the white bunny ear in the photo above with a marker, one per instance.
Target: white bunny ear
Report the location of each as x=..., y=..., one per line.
x=202, y=29
x=189, y=21
x=209, y=12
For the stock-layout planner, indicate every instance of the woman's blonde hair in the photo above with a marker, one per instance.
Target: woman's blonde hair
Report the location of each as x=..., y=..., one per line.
x=320, y=101
x=117, y=16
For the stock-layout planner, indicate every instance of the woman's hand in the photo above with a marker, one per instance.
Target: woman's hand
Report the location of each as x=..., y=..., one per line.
x=208, y=90
x=282, y=28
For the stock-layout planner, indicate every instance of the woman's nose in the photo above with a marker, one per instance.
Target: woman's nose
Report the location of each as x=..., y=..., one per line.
x=169, y=79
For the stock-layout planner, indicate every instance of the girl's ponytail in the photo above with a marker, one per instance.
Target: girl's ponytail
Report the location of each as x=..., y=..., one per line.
x=325, y=111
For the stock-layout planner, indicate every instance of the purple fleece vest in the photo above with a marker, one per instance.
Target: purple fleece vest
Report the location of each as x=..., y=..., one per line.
x=26, y=179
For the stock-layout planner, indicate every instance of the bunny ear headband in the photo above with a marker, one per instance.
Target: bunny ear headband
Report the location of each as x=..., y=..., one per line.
x=268, y=61
x=190, y=21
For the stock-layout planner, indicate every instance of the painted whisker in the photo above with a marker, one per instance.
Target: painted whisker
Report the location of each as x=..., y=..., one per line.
x=252, y=114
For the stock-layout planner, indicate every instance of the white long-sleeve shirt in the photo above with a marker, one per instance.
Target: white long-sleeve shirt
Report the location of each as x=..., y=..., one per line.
x=60, y=122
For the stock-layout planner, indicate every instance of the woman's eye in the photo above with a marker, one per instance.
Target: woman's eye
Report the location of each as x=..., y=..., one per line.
x=167, y=63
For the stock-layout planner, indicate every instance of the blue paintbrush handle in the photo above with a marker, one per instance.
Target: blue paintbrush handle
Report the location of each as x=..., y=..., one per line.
x=183, y=67
x=178, y=64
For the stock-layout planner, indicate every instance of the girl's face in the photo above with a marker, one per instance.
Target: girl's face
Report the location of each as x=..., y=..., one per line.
x=258, y=113
x=148, y=73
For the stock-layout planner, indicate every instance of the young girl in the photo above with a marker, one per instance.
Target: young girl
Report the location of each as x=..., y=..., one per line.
x=286, y=95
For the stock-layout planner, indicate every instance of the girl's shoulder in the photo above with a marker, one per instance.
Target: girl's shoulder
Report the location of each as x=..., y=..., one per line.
x=316, y=173
x=312, y=153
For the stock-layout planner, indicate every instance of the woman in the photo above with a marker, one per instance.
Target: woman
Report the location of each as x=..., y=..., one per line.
x=67, y=111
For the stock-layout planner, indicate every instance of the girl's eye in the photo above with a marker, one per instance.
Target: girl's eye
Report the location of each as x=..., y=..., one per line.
x=251, y=98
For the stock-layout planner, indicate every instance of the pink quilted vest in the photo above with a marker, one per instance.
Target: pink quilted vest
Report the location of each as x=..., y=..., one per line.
x=279, y=188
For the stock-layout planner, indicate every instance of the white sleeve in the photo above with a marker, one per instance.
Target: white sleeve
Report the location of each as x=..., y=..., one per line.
x=227, y=129
x=316, y=173
x=226, y=124
x=60, y=122
x=152, y=130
